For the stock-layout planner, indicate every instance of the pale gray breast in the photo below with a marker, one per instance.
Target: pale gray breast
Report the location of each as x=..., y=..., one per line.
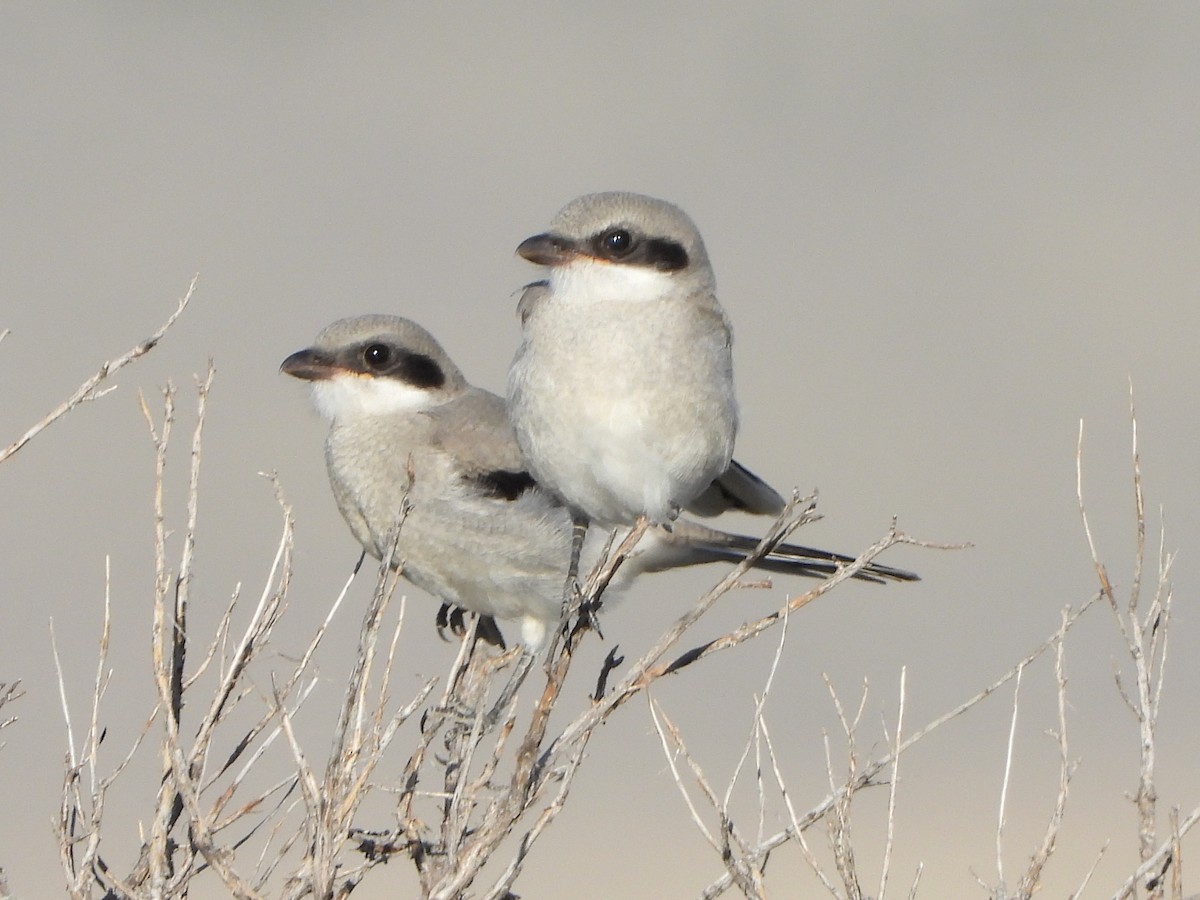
x=658, y=346
x=368, y=464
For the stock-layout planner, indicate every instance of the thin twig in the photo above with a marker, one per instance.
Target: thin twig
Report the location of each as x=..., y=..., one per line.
x=1090, y=872
x=1156, y=858
x=1004, y=783
x=673, y=746
x=88, y=390
x=894, y=781
x=867, y=774
x=1031, y=880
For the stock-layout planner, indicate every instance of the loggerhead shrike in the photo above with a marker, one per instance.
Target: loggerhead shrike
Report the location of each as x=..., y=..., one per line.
x=621, y=393
x=480, y=532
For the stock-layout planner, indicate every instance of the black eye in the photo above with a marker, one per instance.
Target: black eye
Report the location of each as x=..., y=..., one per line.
x=377, y=356
x=617, y=242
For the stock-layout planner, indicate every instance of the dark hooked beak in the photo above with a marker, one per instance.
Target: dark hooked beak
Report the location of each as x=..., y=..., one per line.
x=548, y=249
x=309, y=364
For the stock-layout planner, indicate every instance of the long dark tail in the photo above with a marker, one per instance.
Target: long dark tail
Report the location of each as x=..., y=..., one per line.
x=689, y=543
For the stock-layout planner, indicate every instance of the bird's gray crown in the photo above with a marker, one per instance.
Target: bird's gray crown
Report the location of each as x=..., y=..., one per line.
x=389, y=347
x=633, y=229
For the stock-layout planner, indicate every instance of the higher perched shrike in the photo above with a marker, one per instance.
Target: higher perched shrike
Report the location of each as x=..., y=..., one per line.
x=406, y=429
x=621, y=393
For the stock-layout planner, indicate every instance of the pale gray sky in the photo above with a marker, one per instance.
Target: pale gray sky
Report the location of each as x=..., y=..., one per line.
x=945, y=233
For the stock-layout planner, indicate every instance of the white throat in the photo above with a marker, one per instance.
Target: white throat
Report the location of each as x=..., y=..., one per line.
x=590, y=281
x=346, y=396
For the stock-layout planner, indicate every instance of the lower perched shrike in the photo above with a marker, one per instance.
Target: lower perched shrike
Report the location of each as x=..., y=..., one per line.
x=621, y=393
x=406, y=429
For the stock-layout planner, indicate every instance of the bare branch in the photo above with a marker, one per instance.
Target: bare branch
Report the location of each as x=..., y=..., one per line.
x=88, y=390
x=8, y=694
x=1144, y=628
x=673, y=747
x=1157, y=857
x=1008, y=758
x=1031, y=880
x=894, y=781
x=1090, y=872
x=796, y=832
x=866, y=776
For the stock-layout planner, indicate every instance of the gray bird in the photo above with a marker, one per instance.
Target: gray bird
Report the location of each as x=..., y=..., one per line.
x=480, y=532
x=621, y=393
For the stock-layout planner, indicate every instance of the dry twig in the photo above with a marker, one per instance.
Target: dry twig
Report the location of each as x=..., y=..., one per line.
x=89, y=390
x=866, y=775
x=1144, y=626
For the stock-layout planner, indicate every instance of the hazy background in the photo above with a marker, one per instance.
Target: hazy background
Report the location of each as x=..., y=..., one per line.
x=944, y=234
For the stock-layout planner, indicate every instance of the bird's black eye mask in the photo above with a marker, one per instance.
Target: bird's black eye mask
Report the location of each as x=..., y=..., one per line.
x=386, y=360
x=625, y=245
